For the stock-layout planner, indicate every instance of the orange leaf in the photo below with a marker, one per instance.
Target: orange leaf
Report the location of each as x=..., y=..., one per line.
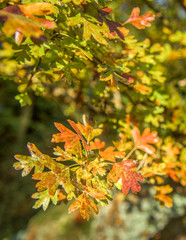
x=48, y=180
x=84, y=203
x=38, y=9
x=110, y=155
x=71, y=139
x=97, y=144
x=160, y=195
x=75, y=127
x=141, y=141
x=142, y=21
x=20, y=18
x=115, y=174
x=95, y=193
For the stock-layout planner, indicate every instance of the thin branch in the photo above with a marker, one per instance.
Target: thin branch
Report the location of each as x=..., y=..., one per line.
x=36, y=67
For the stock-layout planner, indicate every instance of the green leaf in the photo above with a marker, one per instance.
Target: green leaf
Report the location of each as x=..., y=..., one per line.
x=95, y=31
x=23, y=99
x=44, y=199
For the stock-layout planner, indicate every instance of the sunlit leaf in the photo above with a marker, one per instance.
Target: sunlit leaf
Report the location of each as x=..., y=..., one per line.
x=141, y=141
x=161, y=192
x=111, y=155
x=142, y=21
x=37, y=160
x=85, y=204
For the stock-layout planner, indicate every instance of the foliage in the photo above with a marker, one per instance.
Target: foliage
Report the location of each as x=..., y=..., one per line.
x=122, y=83
x=81, y=170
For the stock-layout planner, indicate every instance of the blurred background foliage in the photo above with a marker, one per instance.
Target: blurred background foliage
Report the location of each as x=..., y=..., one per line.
x=137, y=217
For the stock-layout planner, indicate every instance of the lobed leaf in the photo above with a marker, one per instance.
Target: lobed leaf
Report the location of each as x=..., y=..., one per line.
x=111, y=155
x=125, y=171
x=85, y=204
x=142, y=21
x=141, y=141
x=37, y=160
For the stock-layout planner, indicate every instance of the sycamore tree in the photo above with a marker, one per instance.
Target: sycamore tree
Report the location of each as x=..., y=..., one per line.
x=87, y=55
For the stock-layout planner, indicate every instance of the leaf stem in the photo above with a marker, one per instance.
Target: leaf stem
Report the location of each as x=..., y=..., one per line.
x=130, y=153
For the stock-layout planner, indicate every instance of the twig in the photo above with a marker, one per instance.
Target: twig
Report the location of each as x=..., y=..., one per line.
x=36, y=67
x=141, y=163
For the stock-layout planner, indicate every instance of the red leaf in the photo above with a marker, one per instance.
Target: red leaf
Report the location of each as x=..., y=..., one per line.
x=142, y=21
x=141, y=141
x=105, y=11
x=49, y=24
x=125, y=171
x=130, y=178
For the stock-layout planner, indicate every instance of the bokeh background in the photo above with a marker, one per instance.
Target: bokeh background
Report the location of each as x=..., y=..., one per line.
x=139, y=217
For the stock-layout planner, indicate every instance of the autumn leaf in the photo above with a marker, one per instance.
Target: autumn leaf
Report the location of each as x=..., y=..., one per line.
x=141, y=141
x=21, y=18
x=96, y=167
x=37, y=160
x=111, y=155
x=85, y=204
x=125, y=170
x=88, y=131
x=44, y=199
x=130, y=178
x=26, y=26
x=71, y=139
x=84, y=133
x=63, y=155
x=39, y=9
x=142, y=21
x=114, y=27
x=95, y=193
x=161, y=192
x=97, y=144
x=90, y=28
x=102, y=13
x=170, y=170
x=48, y=180
x=143, y=89
x=76, y=128
x=115, y=174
